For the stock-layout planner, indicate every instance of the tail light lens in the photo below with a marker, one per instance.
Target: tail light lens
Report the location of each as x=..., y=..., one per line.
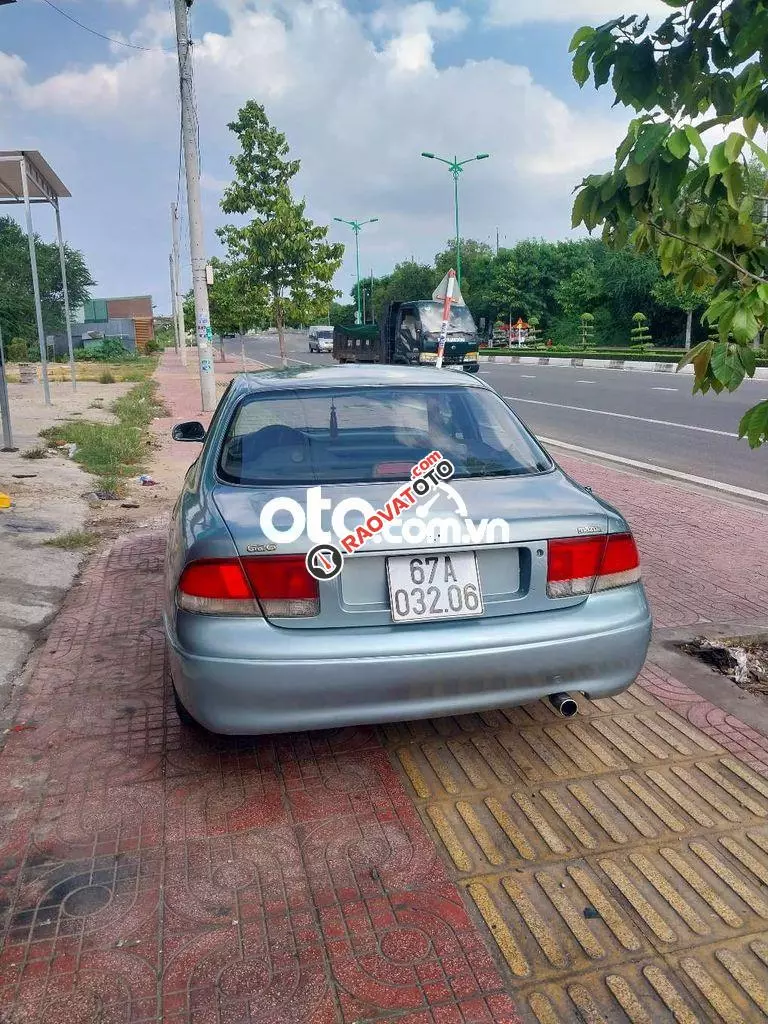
x=283, y=586
x=276, y=587
x=580, y=565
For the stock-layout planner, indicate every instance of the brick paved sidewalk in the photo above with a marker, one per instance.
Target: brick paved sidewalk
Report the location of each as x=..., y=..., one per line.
x=429, y=873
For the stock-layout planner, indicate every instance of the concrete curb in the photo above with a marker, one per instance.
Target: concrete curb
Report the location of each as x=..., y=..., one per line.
x=761, y=373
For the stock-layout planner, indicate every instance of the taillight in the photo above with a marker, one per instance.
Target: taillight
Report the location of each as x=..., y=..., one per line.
x=581, y=565
x=283, y=586
x=277, y=586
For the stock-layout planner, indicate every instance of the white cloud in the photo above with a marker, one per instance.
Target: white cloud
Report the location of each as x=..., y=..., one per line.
x=357, y=111
x=585, y=12
x=416, y=27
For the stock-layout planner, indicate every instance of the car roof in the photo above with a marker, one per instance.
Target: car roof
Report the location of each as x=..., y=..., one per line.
x=354, y=376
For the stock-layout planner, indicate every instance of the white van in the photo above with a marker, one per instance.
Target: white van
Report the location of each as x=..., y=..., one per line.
x=321, y=338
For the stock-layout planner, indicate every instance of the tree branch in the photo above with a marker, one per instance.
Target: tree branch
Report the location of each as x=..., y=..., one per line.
x=712, y=252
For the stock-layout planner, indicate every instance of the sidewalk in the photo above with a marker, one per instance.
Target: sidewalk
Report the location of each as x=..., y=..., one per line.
x=489, y=868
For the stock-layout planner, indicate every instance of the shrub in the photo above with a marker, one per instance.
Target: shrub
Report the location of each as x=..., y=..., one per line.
x=16, y=351
x=106, y=378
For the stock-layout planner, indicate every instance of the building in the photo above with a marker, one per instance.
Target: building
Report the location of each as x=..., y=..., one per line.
x=129, y=318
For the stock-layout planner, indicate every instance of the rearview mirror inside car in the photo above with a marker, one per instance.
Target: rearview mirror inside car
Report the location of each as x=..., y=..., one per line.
x=189, y=431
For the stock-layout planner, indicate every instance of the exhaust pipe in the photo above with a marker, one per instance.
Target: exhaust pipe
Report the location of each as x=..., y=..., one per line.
x=563, y=704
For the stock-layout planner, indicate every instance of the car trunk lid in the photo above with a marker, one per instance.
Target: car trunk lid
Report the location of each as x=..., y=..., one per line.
x=505, y=521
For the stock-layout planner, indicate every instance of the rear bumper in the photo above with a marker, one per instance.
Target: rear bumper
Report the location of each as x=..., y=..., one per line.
x=296, y=679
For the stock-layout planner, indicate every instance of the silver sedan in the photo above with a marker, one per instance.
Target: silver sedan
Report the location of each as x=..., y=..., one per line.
x=383, y=543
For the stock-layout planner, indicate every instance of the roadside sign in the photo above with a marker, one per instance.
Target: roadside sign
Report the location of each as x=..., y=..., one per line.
x=441, y=291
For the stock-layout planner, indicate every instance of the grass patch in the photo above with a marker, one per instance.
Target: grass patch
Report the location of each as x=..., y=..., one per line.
x=106, y=378
x=113, y=451
x=75, y=540
x=133, y=371
x=38, y=452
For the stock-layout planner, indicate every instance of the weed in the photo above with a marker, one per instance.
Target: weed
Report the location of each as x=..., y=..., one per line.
x=106, y=378
x=113, y=451
x=72, y=541
x=111, y=485
x=38, y=452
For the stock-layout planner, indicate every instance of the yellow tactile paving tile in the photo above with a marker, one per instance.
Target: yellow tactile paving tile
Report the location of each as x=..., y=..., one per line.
x=619, y=860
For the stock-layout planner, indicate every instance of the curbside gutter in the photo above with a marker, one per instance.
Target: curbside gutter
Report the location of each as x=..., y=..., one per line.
x=761, y=373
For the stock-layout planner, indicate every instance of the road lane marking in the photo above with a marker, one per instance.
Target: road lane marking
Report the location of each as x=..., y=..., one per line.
x=717, y=485
x=663, y=389
x=621, y=416
x=585, y=382
x=528, y=376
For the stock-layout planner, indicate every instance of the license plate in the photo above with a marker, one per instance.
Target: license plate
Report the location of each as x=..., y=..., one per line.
x=423, y=588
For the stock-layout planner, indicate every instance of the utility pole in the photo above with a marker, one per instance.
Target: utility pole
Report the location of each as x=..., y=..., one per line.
x=178, y=298
x=173, y=303
x=5, y=408
x=456, y=168
x=196, y=238
x=67, y=317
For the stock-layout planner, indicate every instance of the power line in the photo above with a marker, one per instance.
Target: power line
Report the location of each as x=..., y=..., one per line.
x=109, y=39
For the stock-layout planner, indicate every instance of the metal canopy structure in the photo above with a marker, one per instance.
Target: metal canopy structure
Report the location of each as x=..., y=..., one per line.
x=27, y=178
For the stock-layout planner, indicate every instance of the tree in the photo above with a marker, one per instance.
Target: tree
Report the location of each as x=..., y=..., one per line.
x=281, y=249
x=17, y=304
x=408, y=282
x=342, y=315
x=689, y=202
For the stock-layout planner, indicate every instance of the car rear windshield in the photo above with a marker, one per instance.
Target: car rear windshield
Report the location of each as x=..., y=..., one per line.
x=359, y=435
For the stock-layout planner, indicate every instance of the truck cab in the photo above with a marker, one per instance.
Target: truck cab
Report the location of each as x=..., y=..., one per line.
x=417, y=334
x=409, y=335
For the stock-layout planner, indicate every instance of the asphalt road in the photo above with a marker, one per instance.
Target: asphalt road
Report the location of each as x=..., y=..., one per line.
x=651, y=417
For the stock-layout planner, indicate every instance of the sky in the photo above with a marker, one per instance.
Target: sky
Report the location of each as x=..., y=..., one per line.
x=360, y=88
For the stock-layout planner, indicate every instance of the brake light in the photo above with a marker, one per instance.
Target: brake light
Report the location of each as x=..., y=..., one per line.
x=216, y=586
x=277, y=586
x=283, y=586
x=581, y=565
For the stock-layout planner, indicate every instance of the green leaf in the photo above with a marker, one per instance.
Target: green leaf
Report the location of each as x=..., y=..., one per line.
x=748, y=359
x=649, y=140
x=744, y=326
x=754, y=425
x=581, y=65
x=733, y=146
x=695, y=140
x=759, y=152
x=581, y=207
x=637, y=174
x=718, y=161
x=726, y=366
x=762, y=291
x=733, y=178
x=679, y=144
x=581, y=35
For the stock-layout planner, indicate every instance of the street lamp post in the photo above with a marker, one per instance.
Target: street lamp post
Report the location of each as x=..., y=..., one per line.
x=356, y=225
x=456, y=166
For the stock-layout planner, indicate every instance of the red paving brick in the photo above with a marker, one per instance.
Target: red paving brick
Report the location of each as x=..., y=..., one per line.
x=152, y=873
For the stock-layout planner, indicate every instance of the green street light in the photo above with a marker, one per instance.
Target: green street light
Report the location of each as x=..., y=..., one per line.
x=356, y=225
x=456, y=166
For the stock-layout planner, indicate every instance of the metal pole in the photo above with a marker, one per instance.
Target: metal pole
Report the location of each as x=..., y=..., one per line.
x=173, y=304
x=70, y=348
x=5, y=407
x=196, y=236
x=179, y=302
x=35, y=281
x=357, y=260
x=456, y=174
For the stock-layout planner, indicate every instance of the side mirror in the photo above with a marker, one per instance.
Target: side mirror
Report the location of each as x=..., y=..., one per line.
x=189, y=431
